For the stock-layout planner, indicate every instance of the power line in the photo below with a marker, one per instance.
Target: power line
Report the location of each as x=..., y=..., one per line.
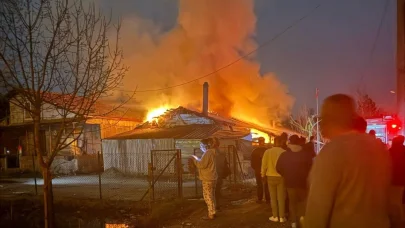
x=377, y=35
x=233, y=62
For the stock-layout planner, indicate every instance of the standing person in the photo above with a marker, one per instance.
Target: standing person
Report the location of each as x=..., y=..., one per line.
x=223, y=171
x=372, y=133
x=274, y=180
x=283, y=140
x=256, y=164
x=208, y=174
x=360, y=124
x=397, y=152
x=294, y=166
x=350, y=178
x=309, y=147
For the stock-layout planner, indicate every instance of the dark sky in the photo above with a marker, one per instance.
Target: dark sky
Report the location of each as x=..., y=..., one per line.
x=329, y=50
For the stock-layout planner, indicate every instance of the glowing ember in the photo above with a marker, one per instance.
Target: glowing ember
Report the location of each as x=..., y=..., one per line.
x=153, y=113
x=116, y=226
x=256, y=134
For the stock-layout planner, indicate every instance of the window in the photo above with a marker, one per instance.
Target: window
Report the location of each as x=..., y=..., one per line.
x=27, y=111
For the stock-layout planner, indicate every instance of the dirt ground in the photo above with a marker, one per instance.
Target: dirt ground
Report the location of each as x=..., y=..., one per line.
x=113, y=187
x=239, y=209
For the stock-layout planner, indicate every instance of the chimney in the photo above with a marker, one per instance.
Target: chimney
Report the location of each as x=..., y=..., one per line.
x=205, y=99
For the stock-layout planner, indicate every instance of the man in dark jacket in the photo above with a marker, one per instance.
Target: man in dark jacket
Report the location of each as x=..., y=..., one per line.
x=397, y=152
x=256, y=164
x=294, y=166
x=310, y=147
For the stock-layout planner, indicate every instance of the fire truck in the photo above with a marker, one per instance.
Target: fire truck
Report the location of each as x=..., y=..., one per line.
x=386, y=128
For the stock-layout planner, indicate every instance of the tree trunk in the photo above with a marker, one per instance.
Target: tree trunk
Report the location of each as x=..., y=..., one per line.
x=46, y=173
x=48, y=199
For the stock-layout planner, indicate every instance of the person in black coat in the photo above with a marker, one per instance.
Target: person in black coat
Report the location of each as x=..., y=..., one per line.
x=256, y=164
x=397, y=152
x=294, y=166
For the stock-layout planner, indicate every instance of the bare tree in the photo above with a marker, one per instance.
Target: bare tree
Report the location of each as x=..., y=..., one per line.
x=366, y=106
x=56, y=54
x=305, y=122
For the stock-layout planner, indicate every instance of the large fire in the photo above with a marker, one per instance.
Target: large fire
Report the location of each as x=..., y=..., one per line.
x=153, y=113
x=256, y=134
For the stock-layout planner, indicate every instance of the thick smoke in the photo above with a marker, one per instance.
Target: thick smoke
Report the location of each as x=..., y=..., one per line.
x=209, y=35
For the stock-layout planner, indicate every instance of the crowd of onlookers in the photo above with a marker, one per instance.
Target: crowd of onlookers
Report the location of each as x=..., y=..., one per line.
x=354, y=181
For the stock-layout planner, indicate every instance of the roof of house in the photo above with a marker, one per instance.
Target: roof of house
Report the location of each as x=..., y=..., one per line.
x=221, y=127
x=99, y=108
x=193, y=131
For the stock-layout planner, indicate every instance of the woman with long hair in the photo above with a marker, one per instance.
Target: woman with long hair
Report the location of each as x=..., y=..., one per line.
x=208, y=174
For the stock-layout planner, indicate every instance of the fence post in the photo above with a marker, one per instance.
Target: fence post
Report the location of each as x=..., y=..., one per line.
x=179, y=174
x=99, y=174
x=35, y=173
x=195, y=179
x=234, y=163
x=152, y=178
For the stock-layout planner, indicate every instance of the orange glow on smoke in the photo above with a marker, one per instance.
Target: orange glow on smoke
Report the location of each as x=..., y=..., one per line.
x=207, y=36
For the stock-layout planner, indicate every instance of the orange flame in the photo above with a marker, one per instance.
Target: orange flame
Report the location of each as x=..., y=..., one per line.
x=156, y=112
x=256, y=134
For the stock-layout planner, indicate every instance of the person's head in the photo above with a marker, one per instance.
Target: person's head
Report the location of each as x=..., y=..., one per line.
x=284, y=136
x=372, y=133
x=398, y=140
x=216, y=142
x=311, y=139
x=360, y=124
x=303, y=140
x=294, y=140
x=282, y=141
x=277, y=141
x=206, y=144
x=261, y=141
x=338, y=113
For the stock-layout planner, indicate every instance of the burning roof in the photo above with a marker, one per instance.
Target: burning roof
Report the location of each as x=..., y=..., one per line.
x=183, y=123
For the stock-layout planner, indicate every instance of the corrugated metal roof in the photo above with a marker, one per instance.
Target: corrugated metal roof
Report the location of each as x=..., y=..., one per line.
x=194, y=131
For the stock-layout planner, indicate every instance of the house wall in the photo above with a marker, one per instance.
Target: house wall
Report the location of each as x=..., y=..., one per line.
x=18, y=114
x=132, y=156
x=110, y=127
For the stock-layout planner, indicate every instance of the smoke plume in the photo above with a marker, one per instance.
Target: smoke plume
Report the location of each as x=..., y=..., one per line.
x=209, y=35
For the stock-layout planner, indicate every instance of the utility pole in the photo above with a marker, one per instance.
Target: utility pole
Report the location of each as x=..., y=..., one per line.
x=318, y=138
x=400, y=64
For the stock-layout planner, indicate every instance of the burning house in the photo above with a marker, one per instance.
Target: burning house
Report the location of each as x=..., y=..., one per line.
x=183, y=129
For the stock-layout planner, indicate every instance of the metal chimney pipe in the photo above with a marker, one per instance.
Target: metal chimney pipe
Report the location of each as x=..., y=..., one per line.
x=205, y=99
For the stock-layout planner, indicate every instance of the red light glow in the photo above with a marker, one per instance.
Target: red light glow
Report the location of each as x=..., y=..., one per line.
x=394, y=126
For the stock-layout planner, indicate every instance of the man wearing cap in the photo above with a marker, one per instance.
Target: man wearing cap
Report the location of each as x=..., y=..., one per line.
x=256, y=164
x=350, y=178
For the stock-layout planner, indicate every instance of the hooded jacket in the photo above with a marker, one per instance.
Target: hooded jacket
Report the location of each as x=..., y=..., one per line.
x=206, y=165
x=294, y=166
x=269, y=162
